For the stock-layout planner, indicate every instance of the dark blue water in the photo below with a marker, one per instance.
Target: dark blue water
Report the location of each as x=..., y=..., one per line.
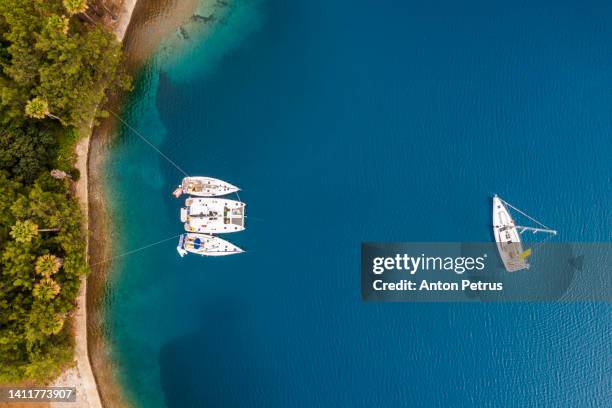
x=350, y=121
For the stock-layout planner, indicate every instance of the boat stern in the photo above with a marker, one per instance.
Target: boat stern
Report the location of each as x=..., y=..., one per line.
x=181, y=246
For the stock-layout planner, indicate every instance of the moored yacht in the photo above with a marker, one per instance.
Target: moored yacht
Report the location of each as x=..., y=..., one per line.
x=507, y=238
x=213, y=215
x=508, y=235
x=205, y=245
x=204, y=187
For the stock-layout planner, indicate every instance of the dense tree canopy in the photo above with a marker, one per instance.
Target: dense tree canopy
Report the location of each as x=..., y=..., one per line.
x=27, y=151
x=54, y=72
x=42, y=259
x=53, y=65
x=23, y=232
x=75, y=6
x=38, y=108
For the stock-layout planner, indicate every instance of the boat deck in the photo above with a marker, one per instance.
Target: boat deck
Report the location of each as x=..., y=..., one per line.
x=207, y=186
x=213, y=215
x=507, y=238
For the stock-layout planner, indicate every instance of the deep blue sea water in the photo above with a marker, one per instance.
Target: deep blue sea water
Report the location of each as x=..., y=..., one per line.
x=349, y=121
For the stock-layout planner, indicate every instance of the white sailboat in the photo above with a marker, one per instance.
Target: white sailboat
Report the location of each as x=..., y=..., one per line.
x=213, y=215
x=205, y=245
x=204, y=187
x=508, y=235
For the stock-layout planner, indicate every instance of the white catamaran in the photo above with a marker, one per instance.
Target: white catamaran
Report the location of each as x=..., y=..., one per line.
x=213, y=215
x=508, y=235
x=205, y=245
x=204, y=187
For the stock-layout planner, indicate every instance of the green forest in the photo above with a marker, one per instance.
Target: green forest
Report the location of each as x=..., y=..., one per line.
x=57, y=66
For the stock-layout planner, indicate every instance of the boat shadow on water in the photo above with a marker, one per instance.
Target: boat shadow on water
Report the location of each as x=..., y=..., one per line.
x=558, y=271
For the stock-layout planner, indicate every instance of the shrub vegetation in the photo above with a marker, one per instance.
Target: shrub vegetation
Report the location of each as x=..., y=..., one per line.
x=56, y=66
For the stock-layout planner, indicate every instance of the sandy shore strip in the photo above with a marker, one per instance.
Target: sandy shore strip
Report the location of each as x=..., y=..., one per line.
x=81, y=375
x=125, y=17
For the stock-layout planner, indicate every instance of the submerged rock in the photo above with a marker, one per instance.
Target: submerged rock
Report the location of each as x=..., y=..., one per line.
x=204, y=19
x=183, y=32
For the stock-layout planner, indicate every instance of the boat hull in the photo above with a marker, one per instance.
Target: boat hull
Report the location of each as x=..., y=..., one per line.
x=206, y=245
x=206, y=187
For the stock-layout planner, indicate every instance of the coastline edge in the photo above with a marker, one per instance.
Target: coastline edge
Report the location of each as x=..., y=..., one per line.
x=88, y=382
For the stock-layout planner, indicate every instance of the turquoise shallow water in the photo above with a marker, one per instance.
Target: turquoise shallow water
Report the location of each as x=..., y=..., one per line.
x=360, y=121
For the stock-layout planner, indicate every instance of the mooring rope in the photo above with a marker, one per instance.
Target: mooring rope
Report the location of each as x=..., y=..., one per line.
x=149, y=143
x=136, y=250
x=254, y=218
x=171, y=162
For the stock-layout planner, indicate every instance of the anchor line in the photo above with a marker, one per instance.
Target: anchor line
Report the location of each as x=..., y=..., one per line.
x=149, y=143
x=136, y=250
x=254, y=218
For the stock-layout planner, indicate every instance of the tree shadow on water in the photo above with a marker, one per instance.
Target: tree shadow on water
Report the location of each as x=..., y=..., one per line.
x=216, y=365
